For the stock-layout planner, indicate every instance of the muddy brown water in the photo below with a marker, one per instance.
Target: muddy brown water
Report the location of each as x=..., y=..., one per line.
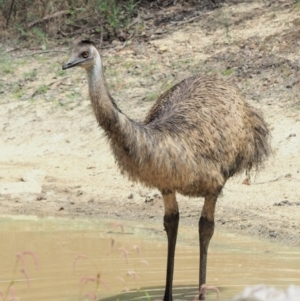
x=73, y=253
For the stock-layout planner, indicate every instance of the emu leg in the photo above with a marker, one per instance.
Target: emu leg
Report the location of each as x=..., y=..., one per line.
x=206, y=231
x=171, y=221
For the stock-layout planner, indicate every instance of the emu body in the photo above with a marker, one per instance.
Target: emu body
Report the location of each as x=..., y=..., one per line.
x=196, y=136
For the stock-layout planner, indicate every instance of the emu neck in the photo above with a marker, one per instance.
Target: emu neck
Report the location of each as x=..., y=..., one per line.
x=105, y=110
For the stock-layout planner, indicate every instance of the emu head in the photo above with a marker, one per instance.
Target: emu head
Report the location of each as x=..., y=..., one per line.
x=84, y=54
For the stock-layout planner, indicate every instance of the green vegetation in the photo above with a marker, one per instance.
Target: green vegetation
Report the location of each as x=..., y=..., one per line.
x=42, y=89
x=60, y=72
x=150, y=96
x=30, y=75
x=227, y=72
x=111, y=11
x=18, y=92
x=74, y=95
x=225, y=21
x=6, y=67
x=297, y=4
x=116, y=13
x=37, y=21
x=39, y=36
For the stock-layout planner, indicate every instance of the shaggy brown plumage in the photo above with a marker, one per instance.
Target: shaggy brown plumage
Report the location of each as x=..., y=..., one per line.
x=197, y=135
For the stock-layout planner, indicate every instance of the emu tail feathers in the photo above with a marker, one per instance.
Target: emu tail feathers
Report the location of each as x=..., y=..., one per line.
x=261, y=135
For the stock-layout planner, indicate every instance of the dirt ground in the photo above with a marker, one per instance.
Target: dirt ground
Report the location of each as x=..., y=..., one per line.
x=55, y=160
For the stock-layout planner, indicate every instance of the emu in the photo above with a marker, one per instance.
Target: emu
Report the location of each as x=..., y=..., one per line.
x=196, y=136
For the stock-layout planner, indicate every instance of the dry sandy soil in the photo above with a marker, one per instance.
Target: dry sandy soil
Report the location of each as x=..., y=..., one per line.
x=55, y=160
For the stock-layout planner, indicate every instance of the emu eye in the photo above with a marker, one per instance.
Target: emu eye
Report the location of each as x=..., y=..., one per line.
x=85, y=54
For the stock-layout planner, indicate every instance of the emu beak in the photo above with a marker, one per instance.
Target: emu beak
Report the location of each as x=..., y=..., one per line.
x=71, y=63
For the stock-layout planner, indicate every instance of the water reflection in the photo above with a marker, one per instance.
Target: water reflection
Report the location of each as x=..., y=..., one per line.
x=151, y=293
x=86, y=257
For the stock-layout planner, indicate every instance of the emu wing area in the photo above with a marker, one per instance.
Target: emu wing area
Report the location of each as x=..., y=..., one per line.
x=209, y=130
